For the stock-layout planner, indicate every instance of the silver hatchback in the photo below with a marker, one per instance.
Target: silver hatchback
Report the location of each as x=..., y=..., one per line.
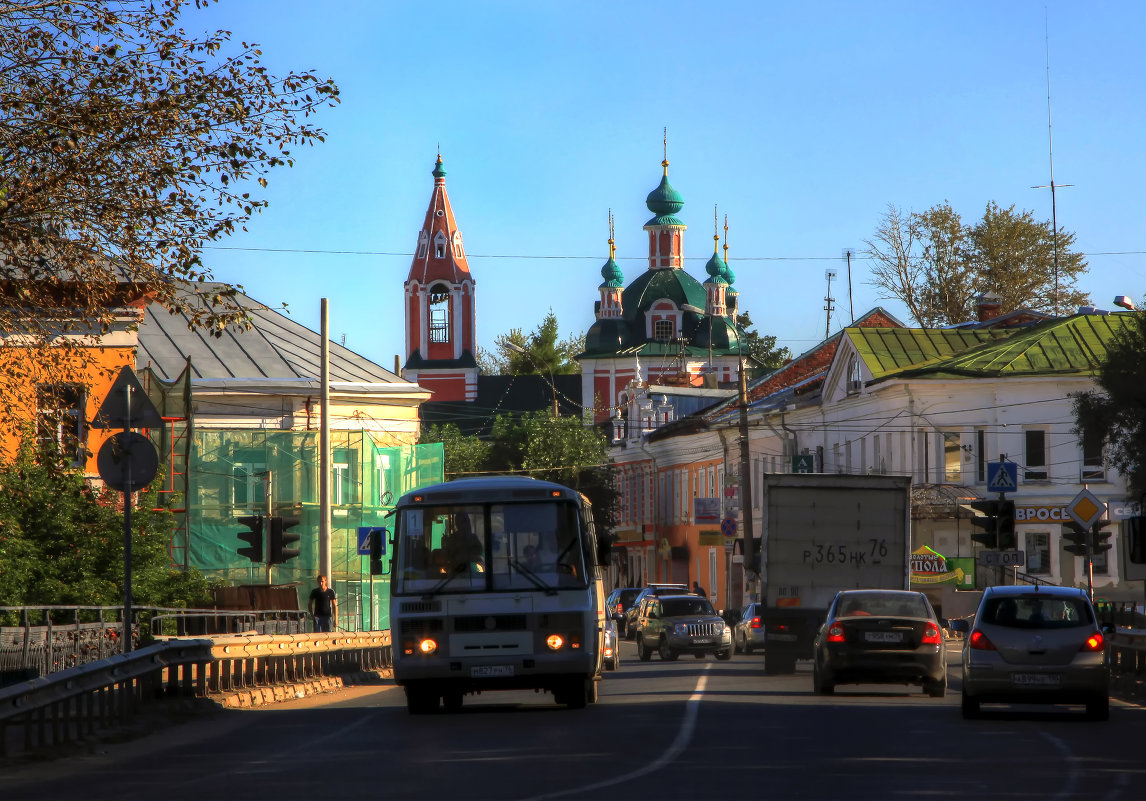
x=1036, y=645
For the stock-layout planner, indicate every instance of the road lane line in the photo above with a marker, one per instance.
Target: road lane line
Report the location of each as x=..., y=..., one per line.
x=1070, y=783
x=683, y=735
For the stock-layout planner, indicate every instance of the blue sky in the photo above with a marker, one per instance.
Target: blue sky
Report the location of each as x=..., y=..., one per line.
x=800, y=121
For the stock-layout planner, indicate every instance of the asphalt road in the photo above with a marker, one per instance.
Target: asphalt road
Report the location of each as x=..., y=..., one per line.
x=691, y=729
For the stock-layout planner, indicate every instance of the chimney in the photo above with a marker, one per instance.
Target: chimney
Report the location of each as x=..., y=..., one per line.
x=988, y=306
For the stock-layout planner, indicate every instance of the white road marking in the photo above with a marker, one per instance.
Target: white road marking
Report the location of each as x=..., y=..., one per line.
x=683, y=735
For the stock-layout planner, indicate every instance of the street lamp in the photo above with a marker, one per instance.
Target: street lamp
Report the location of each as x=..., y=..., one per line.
x=552, y=385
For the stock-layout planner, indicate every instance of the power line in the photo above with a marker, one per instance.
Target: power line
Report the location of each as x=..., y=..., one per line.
x=323, y=252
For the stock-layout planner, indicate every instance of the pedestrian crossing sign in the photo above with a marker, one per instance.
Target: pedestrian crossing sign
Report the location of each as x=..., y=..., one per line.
x=1002, y=476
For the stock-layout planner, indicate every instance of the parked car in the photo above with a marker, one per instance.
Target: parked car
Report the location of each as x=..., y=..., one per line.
x=676, y=624
x=652, y=589
x=1035, y=644
x=748, y=630
x=619, y=602
x=612, y=655
x=880, y=637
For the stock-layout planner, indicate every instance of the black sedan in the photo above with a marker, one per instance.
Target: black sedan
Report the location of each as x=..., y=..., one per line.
x=880, y=637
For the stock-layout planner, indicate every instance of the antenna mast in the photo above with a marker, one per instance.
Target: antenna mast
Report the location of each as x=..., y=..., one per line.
x=829, y=273
x=1050, y=154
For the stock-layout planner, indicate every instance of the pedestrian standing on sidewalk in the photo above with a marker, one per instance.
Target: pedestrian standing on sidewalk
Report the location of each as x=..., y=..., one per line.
x=323, y=606
x=698, y=590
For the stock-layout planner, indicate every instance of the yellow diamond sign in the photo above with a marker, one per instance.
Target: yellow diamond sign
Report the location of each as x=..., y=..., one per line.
x=1085, y=509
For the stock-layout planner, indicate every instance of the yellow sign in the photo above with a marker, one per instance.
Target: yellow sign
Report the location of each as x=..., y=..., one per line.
x=711, y=536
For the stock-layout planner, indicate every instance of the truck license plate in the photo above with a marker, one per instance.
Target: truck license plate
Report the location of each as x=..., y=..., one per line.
x=491, y=671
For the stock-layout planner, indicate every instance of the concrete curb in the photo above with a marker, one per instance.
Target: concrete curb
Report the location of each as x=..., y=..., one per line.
x=263, y=696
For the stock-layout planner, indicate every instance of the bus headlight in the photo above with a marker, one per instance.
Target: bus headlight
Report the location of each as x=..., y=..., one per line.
x=555, y=642
x=427, y=646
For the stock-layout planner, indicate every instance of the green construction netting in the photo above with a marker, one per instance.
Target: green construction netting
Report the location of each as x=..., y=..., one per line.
x=229, y=471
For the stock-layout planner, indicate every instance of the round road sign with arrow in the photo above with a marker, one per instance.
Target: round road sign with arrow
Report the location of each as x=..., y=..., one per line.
x=127, y=449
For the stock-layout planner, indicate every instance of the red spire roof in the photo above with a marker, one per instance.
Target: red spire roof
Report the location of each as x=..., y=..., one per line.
x=439, y=255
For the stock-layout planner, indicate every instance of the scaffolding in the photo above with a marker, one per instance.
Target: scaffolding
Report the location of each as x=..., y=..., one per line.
x=213, y=476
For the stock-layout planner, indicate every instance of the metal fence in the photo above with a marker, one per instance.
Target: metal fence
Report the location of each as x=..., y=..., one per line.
x=36, y=641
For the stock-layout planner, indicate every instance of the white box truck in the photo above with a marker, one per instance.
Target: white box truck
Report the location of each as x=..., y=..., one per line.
x=821, y=534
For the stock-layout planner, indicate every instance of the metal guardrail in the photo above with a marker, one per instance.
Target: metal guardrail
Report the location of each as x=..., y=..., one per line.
x=45, y=639
x=73, y=704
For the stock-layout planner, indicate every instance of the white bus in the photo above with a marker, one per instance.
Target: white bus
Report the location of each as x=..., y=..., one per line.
x=496, y=585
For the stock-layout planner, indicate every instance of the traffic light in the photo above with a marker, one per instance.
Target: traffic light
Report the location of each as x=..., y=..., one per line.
x=987, y=522
x=1075, y=537
x=253, y=536
x=377, y=550
x=281, y=538
x=1005, y=525
x=1101, y=541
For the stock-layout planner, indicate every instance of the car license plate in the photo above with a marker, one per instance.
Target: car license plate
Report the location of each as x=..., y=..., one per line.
x=704, y=641
x=883, y=636
x=491, y=671
x=1036, y=679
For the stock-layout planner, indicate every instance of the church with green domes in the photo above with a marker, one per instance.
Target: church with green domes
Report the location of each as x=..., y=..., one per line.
x=666, y=328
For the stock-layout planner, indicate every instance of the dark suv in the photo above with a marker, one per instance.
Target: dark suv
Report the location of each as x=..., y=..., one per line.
x=630, y=624
x=676, y=624
x=619, y=602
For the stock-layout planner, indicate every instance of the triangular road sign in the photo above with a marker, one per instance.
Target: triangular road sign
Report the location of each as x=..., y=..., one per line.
x=127, y=405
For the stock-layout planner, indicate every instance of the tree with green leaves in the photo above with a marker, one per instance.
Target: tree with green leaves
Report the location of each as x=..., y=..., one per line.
x=563, y=450
x=128, y=145
x=938, y=266
x=1116, y=413
x=61, y=541
x=539, y=353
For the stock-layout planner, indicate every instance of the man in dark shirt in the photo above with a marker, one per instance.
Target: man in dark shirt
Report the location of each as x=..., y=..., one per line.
x=323, y=605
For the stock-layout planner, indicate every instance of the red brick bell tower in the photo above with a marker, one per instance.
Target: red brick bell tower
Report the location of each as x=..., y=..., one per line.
x=439, y=295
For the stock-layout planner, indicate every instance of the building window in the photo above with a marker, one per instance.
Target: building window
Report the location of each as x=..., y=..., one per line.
x=663, y=330
x=60, y=420
x=1038, y=554
x=343, y=487
x=247, y=490
x=1036, y=455
x=1093, y=461
x=952, y=458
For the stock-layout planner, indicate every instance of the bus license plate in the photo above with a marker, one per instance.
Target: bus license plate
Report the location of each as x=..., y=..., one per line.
x=491, y=671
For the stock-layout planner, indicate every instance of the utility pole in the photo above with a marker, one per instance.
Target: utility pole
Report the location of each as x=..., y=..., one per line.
x=745, y=471
x=828, y=301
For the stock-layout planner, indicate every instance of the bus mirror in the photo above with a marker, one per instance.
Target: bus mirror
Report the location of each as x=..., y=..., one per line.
x=604, y=548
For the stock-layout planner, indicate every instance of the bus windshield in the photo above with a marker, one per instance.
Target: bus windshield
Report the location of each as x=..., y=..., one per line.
x=489, y=548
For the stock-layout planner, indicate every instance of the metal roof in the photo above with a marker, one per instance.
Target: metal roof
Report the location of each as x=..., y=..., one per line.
x=275, y=347
x=1060, y=346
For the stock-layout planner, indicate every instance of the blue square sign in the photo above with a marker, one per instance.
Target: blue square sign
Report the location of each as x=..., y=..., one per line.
x=1002, y=476
x=364, y=535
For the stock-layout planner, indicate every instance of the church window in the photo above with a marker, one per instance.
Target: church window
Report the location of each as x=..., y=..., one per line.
x=663, y=330
x=440, y=250
x=439, y=314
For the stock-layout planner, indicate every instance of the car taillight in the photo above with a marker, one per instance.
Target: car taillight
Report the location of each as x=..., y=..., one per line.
x=1095, y=642
x=836, y=633
x=980, y=642
x=931, y=635
x=755, y=622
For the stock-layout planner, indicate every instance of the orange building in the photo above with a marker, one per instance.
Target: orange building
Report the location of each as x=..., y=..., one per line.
x=55, y=389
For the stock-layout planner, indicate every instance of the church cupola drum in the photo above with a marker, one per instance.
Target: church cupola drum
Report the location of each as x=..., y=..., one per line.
x=439, y=296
